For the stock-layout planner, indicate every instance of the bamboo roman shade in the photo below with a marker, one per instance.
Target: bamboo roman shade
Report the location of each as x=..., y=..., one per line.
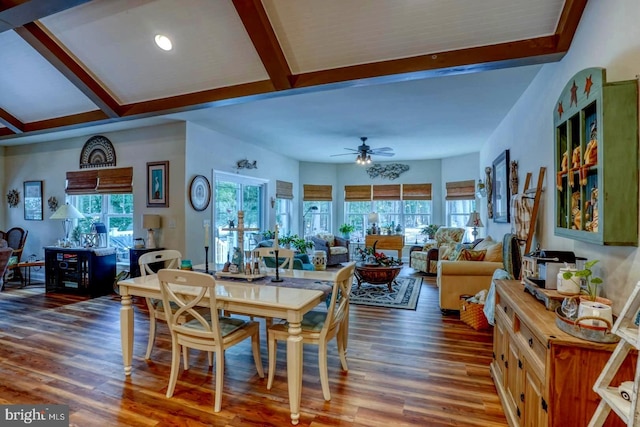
x=317, y=193
x=111, y=181
x=357, y=193
x=284, y=190
x=416, y=191
x=461, y=190
x=386, y=192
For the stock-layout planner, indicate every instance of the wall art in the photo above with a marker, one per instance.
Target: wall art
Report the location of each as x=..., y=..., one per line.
x=158, y=184
x=392, y=171
x=33, y=200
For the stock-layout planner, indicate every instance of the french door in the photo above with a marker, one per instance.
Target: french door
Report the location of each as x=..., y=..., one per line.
x=235, y=193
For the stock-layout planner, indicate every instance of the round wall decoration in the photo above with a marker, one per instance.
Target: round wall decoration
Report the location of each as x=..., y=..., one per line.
x=13, y=198
x=97, y=152
x=199, y=193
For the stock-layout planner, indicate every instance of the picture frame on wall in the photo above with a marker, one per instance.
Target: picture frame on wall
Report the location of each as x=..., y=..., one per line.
x=33, y=210
x=501, y=195
x=158, y=184
x=199, y=193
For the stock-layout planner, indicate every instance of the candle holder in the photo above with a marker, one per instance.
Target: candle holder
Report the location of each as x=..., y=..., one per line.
x=206, y=259
x=277, y=278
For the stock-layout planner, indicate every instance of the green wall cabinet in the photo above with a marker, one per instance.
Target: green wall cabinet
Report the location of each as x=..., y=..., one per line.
x=596, y=160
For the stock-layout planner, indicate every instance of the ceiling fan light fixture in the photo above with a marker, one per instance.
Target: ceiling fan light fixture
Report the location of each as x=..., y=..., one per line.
x=163, y=42
x=369, y=159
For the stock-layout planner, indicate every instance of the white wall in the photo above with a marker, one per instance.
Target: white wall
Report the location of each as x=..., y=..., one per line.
x=208, y=151
x=50, y=161
x=608, y=36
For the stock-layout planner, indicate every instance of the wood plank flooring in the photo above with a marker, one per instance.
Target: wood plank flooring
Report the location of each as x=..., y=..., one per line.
x=406, y=368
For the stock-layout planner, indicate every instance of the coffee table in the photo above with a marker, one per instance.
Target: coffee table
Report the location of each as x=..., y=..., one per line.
x=377, y=274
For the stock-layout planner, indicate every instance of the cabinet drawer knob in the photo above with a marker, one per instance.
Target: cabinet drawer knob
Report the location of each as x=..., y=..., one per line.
x=521, y=397
x=505, y=308
x=530, y=342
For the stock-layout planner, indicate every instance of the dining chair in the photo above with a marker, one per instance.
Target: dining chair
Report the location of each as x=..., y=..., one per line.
x=171, y=259
x=209, y=331
x=284, y=261
x=319, y=327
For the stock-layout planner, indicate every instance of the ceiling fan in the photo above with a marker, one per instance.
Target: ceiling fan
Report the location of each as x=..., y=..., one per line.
x=365, y=152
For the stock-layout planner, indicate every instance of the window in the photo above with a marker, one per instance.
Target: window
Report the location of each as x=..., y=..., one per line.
x=458, y=212
x=316, y=217
x=411, y=215
x=283, y=215
x=115, y=211
x=235, y=193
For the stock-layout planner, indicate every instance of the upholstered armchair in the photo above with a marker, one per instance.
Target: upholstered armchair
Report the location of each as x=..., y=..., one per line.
x=16, y=238
x=336, y=248
x=426, y=258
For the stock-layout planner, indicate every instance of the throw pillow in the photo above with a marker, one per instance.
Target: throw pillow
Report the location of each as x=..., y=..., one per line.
x=471, y=255
x=330, y=238
x=494, y=252
x=485, y=243
x=458, y=249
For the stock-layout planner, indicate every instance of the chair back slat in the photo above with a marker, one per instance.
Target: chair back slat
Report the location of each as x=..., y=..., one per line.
x=170, y=257
x=339, y=303
x=286, y=254
x=186, y=290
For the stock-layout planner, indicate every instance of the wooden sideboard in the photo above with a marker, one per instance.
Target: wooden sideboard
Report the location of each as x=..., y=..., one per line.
x=394, y=242
x=544, y=376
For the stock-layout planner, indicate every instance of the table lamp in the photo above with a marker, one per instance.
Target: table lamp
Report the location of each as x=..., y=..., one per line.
x=67, y=213
x=150, y=222
x=475, y=222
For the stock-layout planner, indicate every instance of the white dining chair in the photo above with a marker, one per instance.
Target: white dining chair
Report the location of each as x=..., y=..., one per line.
x=319, y=327
x=208, y=331
x=284, y=261
x=171, y=259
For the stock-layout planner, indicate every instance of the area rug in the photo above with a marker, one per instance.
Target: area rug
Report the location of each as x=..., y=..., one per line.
x=405, y=294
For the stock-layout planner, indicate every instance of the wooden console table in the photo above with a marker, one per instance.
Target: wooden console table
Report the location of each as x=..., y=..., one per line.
x=393, y=242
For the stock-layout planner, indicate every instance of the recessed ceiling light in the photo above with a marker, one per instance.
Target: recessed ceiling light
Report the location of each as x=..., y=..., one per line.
x=163, y=42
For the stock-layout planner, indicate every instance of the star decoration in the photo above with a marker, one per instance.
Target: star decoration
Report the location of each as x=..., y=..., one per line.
x=587, y=85
x=574, y=94
x=560, y=109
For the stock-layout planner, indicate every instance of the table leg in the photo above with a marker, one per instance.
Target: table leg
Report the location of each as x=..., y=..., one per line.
x=294, y=370
x=126, y=331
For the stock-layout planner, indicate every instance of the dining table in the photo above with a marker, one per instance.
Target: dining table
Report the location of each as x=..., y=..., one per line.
x=300, y=292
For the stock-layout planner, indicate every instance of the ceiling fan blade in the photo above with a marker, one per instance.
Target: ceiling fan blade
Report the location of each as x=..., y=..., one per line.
x=343, y=154
x=382, y=149
x=384, y=153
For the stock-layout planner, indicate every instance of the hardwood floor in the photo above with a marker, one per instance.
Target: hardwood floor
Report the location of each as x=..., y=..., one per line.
x=405, y=368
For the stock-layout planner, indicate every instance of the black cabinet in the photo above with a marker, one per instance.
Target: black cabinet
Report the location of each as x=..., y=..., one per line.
x=134, y=256
x=77, y=270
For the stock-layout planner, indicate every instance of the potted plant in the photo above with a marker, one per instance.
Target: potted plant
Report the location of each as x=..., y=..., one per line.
x=592, y=283
x=430, y=230
x=268, y=234
x=301, y=244
x=346, y=230
x=287, y=240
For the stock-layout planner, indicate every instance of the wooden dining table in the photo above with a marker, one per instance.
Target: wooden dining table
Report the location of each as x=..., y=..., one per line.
x=250, y=298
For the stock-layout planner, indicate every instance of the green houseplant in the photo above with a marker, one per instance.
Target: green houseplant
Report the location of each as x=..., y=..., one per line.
x=430, y=230
x=346, y=230
x=591, y=282
x=301, y=244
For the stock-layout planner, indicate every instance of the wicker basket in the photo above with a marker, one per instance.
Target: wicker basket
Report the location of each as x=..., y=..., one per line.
x=472, y=314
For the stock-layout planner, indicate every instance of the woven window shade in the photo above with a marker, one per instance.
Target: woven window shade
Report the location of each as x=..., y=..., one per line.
x=115, y=181
x=461, y=190
x=386, y=192
x=317, y=193
x=82, y=182
x=110, y=181
x=357, y=193
x=284, y=190
x=416, y=191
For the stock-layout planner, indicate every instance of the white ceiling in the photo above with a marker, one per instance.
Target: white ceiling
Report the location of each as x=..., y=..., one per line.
x=431, y=79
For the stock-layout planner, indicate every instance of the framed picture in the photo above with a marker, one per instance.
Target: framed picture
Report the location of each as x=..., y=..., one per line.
x=501, y=196
x=33, y=200
x=199, y=193
x=158, y=184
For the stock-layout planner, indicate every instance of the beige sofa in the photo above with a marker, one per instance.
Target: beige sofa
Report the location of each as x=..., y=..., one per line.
x=455, y=278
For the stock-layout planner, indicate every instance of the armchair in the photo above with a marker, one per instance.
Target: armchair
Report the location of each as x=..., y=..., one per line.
x=336, y=248
x=16, y=238
x=5, y=254
x=426, y=258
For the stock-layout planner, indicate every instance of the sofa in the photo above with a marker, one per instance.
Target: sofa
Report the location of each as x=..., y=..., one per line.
x=468, y=277
x=425, y=258
x=336, y=248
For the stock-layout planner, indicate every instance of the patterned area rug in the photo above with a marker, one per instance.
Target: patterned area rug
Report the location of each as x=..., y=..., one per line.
x=405, y=294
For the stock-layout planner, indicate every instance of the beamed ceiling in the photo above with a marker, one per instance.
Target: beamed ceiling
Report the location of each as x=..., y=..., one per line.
x=275, y=72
